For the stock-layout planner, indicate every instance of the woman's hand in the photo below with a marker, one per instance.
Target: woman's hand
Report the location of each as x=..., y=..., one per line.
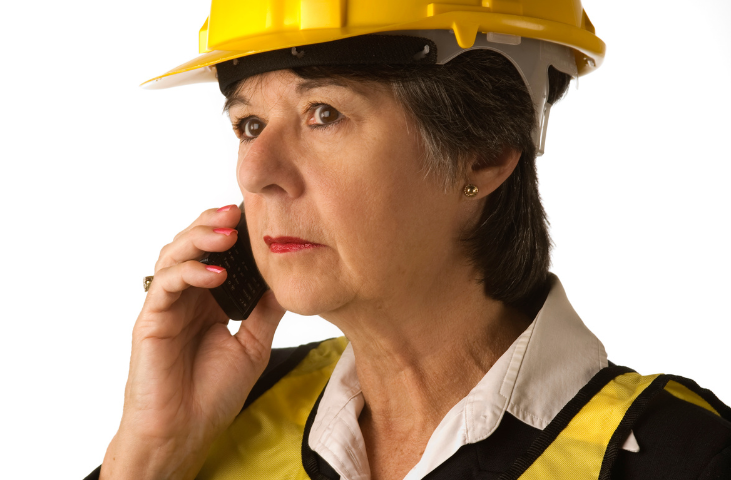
x=188, y=376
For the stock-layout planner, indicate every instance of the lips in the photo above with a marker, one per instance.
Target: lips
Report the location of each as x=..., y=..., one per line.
x=288, y=244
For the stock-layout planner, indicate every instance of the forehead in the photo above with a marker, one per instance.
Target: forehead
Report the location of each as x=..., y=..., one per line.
x=272, y=86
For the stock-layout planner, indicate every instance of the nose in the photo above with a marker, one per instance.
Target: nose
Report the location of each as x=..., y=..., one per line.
x=268, y=164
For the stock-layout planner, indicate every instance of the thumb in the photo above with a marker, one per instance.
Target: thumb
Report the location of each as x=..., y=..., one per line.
x=262, y=323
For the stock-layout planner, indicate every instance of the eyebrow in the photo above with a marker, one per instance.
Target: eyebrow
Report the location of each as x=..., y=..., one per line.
x=302, y=87
x=239, y=99
x=308, y=85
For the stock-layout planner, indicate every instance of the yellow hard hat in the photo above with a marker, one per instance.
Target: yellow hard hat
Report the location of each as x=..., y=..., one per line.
x=533, y=34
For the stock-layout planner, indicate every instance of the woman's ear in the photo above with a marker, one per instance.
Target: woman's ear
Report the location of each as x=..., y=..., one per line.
x=488, y=176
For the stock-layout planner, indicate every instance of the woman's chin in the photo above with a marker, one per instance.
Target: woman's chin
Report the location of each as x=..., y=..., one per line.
x=307, y=297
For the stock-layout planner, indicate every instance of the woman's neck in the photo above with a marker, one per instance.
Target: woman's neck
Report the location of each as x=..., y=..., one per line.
x=418, y=354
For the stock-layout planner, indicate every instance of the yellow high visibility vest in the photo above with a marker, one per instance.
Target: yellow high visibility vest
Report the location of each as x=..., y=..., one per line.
x=266, y=440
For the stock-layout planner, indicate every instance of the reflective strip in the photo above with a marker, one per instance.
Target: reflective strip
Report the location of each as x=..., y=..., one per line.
x=684, y=393
x=265, y=440
x=578, y=451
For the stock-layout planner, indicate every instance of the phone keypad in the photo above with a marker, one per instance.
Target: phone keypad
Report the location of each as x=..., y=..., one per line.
x=244, y=285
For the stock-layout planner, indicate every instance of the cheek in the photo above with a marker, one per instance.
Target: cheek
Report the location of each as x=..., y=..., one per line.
x=378, y=204
x=367, y=186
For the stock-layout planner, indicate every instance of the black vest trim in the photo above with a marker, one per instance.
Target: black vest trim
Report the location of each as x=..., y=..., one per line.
x=549, y=434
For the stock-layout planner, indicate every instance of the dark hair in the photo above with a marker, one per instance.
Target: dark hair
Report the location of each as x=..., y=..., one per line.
x=475, y=106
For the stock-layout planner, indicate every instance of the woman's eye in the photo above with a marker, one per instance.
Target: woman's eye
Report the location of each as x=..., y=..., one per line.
x=251, y=128
x=325, y=114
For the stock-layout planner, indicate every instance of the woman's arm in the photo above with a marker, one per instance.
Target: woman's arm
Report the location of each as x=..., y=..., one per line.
x=188, y=377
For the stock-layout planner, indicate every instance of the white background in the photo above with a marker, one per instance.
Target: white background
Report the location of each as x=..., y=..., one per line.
x=97, y=175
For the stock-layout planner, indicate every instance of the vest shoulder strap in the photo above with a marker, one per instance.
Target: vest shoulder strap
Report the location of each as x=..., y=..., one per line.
x=583, y=441
x=265, y=438
x=281, y=362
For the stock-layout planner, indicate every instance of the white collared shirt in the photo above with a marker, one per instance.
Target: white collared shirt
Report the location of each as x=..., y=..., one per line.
x=533, y=380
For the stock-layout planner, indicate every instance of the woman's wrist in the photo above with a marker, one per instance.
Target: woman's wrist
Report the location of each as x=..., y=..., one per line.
x=129, y=457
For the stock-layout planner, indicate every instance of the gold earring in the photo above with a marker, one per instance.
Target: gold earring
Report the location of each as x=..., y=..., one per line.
x=470, y=190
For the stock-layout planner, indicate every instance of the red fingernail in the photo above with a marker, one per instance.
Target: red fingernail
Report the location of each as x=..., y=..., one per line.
x=226, y=208
x=225, y=231
x=213, y=268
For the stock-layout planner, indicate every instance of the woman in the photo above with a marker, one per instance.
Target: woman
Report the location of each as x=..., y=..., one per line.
x=389, y=186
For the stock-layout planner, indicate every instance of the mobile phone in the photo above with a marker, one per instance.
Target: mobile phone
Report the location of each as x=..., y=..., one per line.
x=244, y=285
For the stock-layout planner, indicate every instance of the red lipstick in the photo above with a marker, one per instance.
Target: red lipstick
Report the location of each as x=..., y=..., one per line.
x=288, y=244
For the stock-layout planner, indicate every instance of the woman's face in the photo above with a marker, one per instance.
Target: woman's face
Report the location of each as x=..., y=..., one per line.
x=337, y=169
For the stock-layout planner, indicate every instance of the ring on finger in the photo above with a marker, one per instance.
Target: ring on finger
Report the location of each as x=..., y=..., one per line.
x=147, y=281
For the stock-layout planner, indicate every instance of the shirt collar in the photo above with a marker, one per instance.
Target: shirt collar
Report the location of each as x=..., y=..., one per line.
x=541, y=371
